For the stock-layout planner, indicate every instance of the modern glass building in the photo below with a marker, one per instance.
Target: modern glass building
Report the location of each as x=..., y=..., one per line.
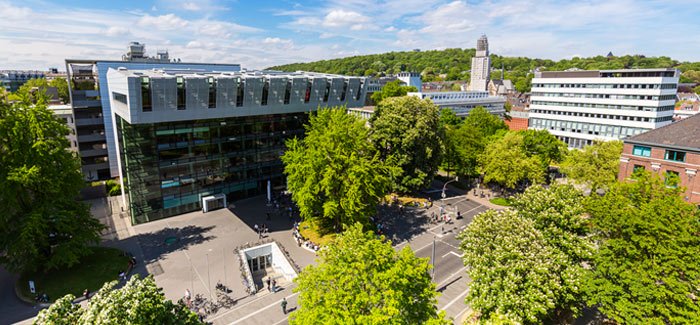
x=190, y=141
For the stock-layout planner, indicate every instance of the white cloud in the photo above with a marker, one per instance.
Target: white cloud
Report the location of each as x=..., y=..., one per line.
x=390, y=29
x=279, y=42
x=13, y=12
x=191, y=6
x=448, y=19
x=341, y=18
x=163, y=22
x=117, y=31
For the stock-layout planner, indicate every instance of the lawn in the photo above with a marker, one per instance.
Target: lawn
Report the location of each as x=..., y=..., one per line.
x=310, y=231
x=103, y=265
x=406, y=200
x=500, y=201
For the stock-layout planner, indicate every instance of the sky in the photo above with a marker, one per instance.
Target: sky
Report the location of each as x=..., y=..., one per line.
x=263, y=33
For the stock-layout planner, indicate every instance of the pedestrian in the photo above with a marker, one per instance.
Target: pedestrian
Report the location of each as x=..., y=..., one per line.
x=459, y=215
x=268, y=284
x=284, y=305
x=256, y=228
x=188, y=295
x=268, y=216
x=86, y=294
x=274, y=286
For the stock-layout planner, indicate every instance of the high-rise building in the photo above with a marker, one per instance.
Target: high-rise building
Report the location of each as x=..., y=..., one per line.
x=89, y=93
x=191, y=140
x=481, y=66
x=581, y=106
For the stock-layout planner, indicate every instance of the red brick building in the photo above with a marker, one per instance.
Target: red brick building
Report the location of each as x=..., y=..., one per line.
x=672, y=149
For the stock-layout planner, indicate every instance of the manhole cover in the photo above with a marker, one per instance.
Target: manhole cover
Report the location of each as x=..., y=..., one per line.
x=170, y=240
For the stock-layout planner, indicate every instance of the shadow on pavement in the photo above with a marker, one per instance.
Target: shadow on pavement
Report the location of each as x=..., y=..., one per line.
x=168, y=240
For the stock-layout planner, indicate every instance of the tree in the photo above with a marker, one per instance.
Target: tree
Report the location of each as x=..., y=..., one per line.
x=506, y=162
x=515, y=273
x=392, y=89
x=646, y=269
x=595, y=166
x=61, y=85
x=360, y=279
x=334, y=173
x=406, y=132
x=544, y=145
x=42, y=226
x=487, y=123
x=697, y=90
x=140, y=301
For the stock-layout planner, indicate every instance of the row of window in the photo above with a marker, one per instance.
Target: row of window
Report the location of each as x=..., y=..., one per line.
x=606, y=96
x=240, y=94
x=605, y=106
x=575, y=142
x=673, y=155
x=671, y=177
x=605, y=116
x=611, y=131
x=607, y=86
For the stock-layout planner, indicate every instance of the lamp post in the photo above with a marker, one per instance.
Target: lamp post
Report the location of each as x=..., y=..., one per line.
x=444, y=187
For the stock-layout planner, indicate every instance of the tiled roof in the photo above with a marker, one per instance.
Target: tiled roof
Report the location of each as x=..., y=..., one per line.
x=682, y=134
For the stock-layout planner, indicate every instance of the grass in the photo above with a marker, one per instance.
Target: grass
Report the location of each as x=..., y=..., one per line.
x=406, y=200
x=103, y=265
x=310, y=231
x=500, y=201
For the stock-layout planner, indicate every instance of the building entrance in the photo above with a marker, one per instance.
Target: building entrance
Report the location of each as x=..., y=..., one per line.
x=260, y=263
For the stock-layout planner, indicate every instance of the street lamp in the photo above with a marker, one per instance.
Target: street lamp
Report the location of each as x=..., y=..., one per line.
x=445, y=186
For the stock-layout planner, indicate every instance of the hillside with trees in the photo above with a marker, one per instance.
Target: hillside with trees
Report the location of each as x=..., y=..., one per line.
x=454, y=64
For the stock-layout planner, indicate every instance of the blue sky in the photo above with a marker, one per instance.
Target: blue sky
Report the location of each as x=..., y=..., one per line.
x=262, y=33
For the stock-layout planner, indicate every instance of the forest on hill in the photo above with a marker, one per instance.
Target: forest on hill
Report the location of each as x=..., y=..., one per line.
x=454, y=64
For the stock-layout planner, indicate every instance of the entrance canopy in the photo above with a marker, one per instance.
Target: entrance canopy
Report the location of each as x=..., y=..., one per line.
x=213, y=202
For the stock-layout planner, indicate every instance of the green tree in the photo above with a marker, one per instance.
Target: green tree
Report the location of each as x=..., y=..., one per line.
x=42, y=226
x=61, y=86
x=487, y=123
x=646, y=269
x=506, y=162
x=334, y=173
x=406, y=132
x=392, y=89
x=360, y=279
x=545, y=146
x=595, y=166
x=697, y=90
x=515, y=273
x=140, y=301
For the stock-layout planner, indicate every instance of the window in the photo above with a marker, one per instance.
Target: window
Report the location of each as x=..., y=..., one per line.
x=641, y=151
x=671, y=178
x=287, y=92
x=146, y=94
x=327, y=92
x=675, y=155
x=212, y=92
x=181, y=94
x=119, y=97
x=240, y=93
x=307, y=94
x=345, y=89
x=638, y=169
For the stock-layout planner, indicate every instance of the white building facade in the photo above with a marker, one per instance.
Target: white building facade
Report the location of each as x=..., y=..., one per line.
x=579, y=107
x=481, y=66
x=462, y=102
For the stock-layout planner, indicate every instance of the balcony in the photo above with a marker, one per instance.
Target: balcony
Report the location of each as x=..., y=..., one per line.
x=93, y=152
x=89, y=121
x=91, y=137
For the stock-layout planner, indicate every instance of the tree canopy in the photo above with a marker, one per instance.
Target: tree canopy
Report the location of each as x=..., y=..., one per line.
x=454, y=64
x=526, y=264
x=42, y=226
x=140, y=301
x=646, y=269
x=392, y=89
x=60, y=84
x=595, y=166
x=406, y=133
x=361, y=279
x=506, y=162
x=335, y=174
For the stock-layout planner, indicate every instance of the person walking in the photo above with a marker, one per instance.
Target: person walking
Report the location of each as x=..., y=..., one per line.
x=274, y=286
x=268, y=284
x=284, y=305
x=86, y=294
x=256, y=228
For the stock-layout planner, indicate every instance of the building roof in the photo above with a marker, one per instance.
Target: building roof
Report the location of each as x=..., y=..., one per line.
x=682, y=135
x=243, y=73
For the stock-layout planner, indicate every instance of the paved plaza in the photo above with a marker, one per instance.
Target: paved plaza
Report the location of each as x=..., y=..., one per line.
x=196, y=251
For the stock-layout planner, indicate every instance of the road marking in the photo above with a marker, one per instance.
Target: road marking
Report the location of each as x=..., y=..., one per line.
x=243, y=305
x=455, y=300
x=453, y=253
x=451, y=275
x=261, y=309
x=282, y=321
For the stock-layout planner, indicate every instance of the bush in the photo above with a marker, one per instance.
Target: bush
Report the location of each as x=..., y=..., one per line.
x=113, y=187
x=500, y=201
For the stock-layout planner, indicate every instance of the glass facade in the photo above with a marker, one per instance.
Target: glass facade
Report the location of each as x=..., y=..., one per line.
x=169, y=167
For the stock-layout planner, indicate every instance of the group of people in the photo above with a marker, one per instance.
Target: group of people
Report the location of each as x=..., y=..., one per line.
x=301, y=241
x=262, y=230
x=271, y=284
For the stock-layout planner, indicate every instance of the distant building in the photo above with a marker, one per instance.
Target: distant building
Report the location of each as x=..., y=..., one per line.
x=670, y=150
x=90, y=99
x=462, y=102
x=411, y=79
x=65, y=112
x=481, y=66
x=519, y=119
x=193, y=140
x=688, y=105
x=11, y=80
x=581, y=106
x=364, y=112
x=501, y=87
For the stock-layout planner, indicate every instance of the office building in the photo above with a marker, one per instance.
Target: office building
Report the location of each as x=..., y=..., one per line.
x=11, y=80
x=581, y=106
x=89, y=95
x=673, y=150
x=462, y=102
x=195, y=140
x=411, y=79
x=65, y=112
x=481, y=66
